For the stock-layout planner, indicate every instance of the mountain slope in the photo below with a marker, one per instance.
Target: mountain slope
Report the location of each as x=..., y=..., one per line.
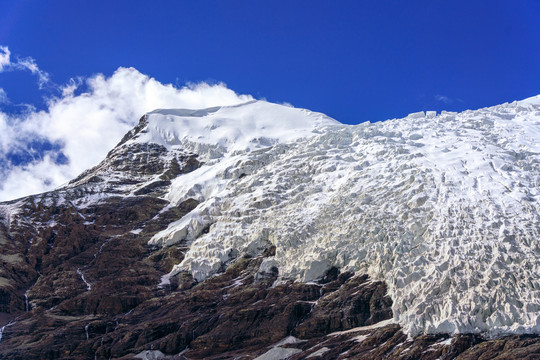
x=279, y=221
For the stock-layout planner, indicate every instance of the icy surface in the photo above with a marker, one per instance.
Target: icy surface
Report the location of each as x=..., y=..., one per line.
x=443, y=207
x=88, y=285
x=380, y=324
x=151, y=355
x=277, y=352
x=319, y=352
x=214, y=131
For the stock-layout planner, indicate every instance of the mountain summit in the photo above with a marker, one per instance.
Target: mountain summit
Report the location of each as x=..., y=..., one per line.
x=284, y=222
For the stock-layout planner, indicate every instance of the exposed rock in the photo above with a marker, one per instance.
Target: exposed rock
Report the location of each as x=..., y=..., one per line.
x=347, y=303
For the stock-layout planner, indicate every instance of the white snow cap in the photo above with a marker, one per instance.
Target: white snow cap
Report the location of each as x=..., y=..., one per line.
x=445, y=208
x=241, y=127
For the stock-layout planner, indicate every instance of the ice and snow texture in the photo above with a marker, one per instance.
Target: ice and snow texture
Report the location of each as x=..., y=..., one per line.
x=444, y=208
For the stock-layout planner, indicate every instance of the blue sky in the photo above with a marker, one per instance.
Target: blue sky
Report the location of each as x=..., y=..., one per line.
x=355, y=61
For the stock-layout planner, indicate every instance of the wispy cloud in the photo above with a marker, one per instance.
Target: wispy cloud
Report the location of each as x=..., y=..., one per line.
x=4, y=57
x=30, y=65
x=84, y=126
x=446, y=99
x=3, y=97
x=24, y=64
x=443, y=98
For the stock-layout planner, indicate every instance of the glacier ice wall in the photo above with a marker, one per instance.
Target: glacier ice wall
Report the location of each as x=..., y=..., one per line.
x=445, y=208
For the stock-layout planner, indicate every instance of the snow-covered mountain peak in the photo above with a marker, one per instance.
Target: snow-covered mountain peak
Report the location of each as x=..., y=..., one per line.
x=445, y=208
x=210, y=217
x=228, y=129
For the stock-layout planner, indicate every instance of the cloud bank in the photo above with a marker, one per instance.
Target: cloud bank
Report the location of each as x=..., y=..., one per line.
x=76, y=131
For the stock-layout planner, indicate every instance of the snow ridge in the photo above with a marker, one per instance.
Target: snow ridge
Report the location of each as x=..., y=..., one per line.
x=445, y=208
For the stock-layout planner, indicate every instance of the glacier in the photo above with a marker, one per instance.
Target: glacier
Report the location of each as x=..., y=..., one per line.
x=445, y=208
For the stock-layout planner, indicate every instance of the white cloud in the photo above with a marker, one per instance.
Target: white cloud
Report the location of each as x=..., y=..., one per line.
x=90, y=124
x=3, y=97
x=4, y=57
x=35, y=178
x=71, y=86
x=6, y=135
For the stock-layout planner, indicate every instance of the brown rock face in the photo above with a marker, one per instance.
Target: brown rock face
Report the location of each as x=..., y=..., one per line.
x=339, y=310
x=80, y=254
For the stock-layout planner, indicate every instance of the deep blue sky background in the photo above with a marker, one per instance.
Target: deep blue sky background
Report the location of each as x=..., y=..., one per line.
x=353, y=60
